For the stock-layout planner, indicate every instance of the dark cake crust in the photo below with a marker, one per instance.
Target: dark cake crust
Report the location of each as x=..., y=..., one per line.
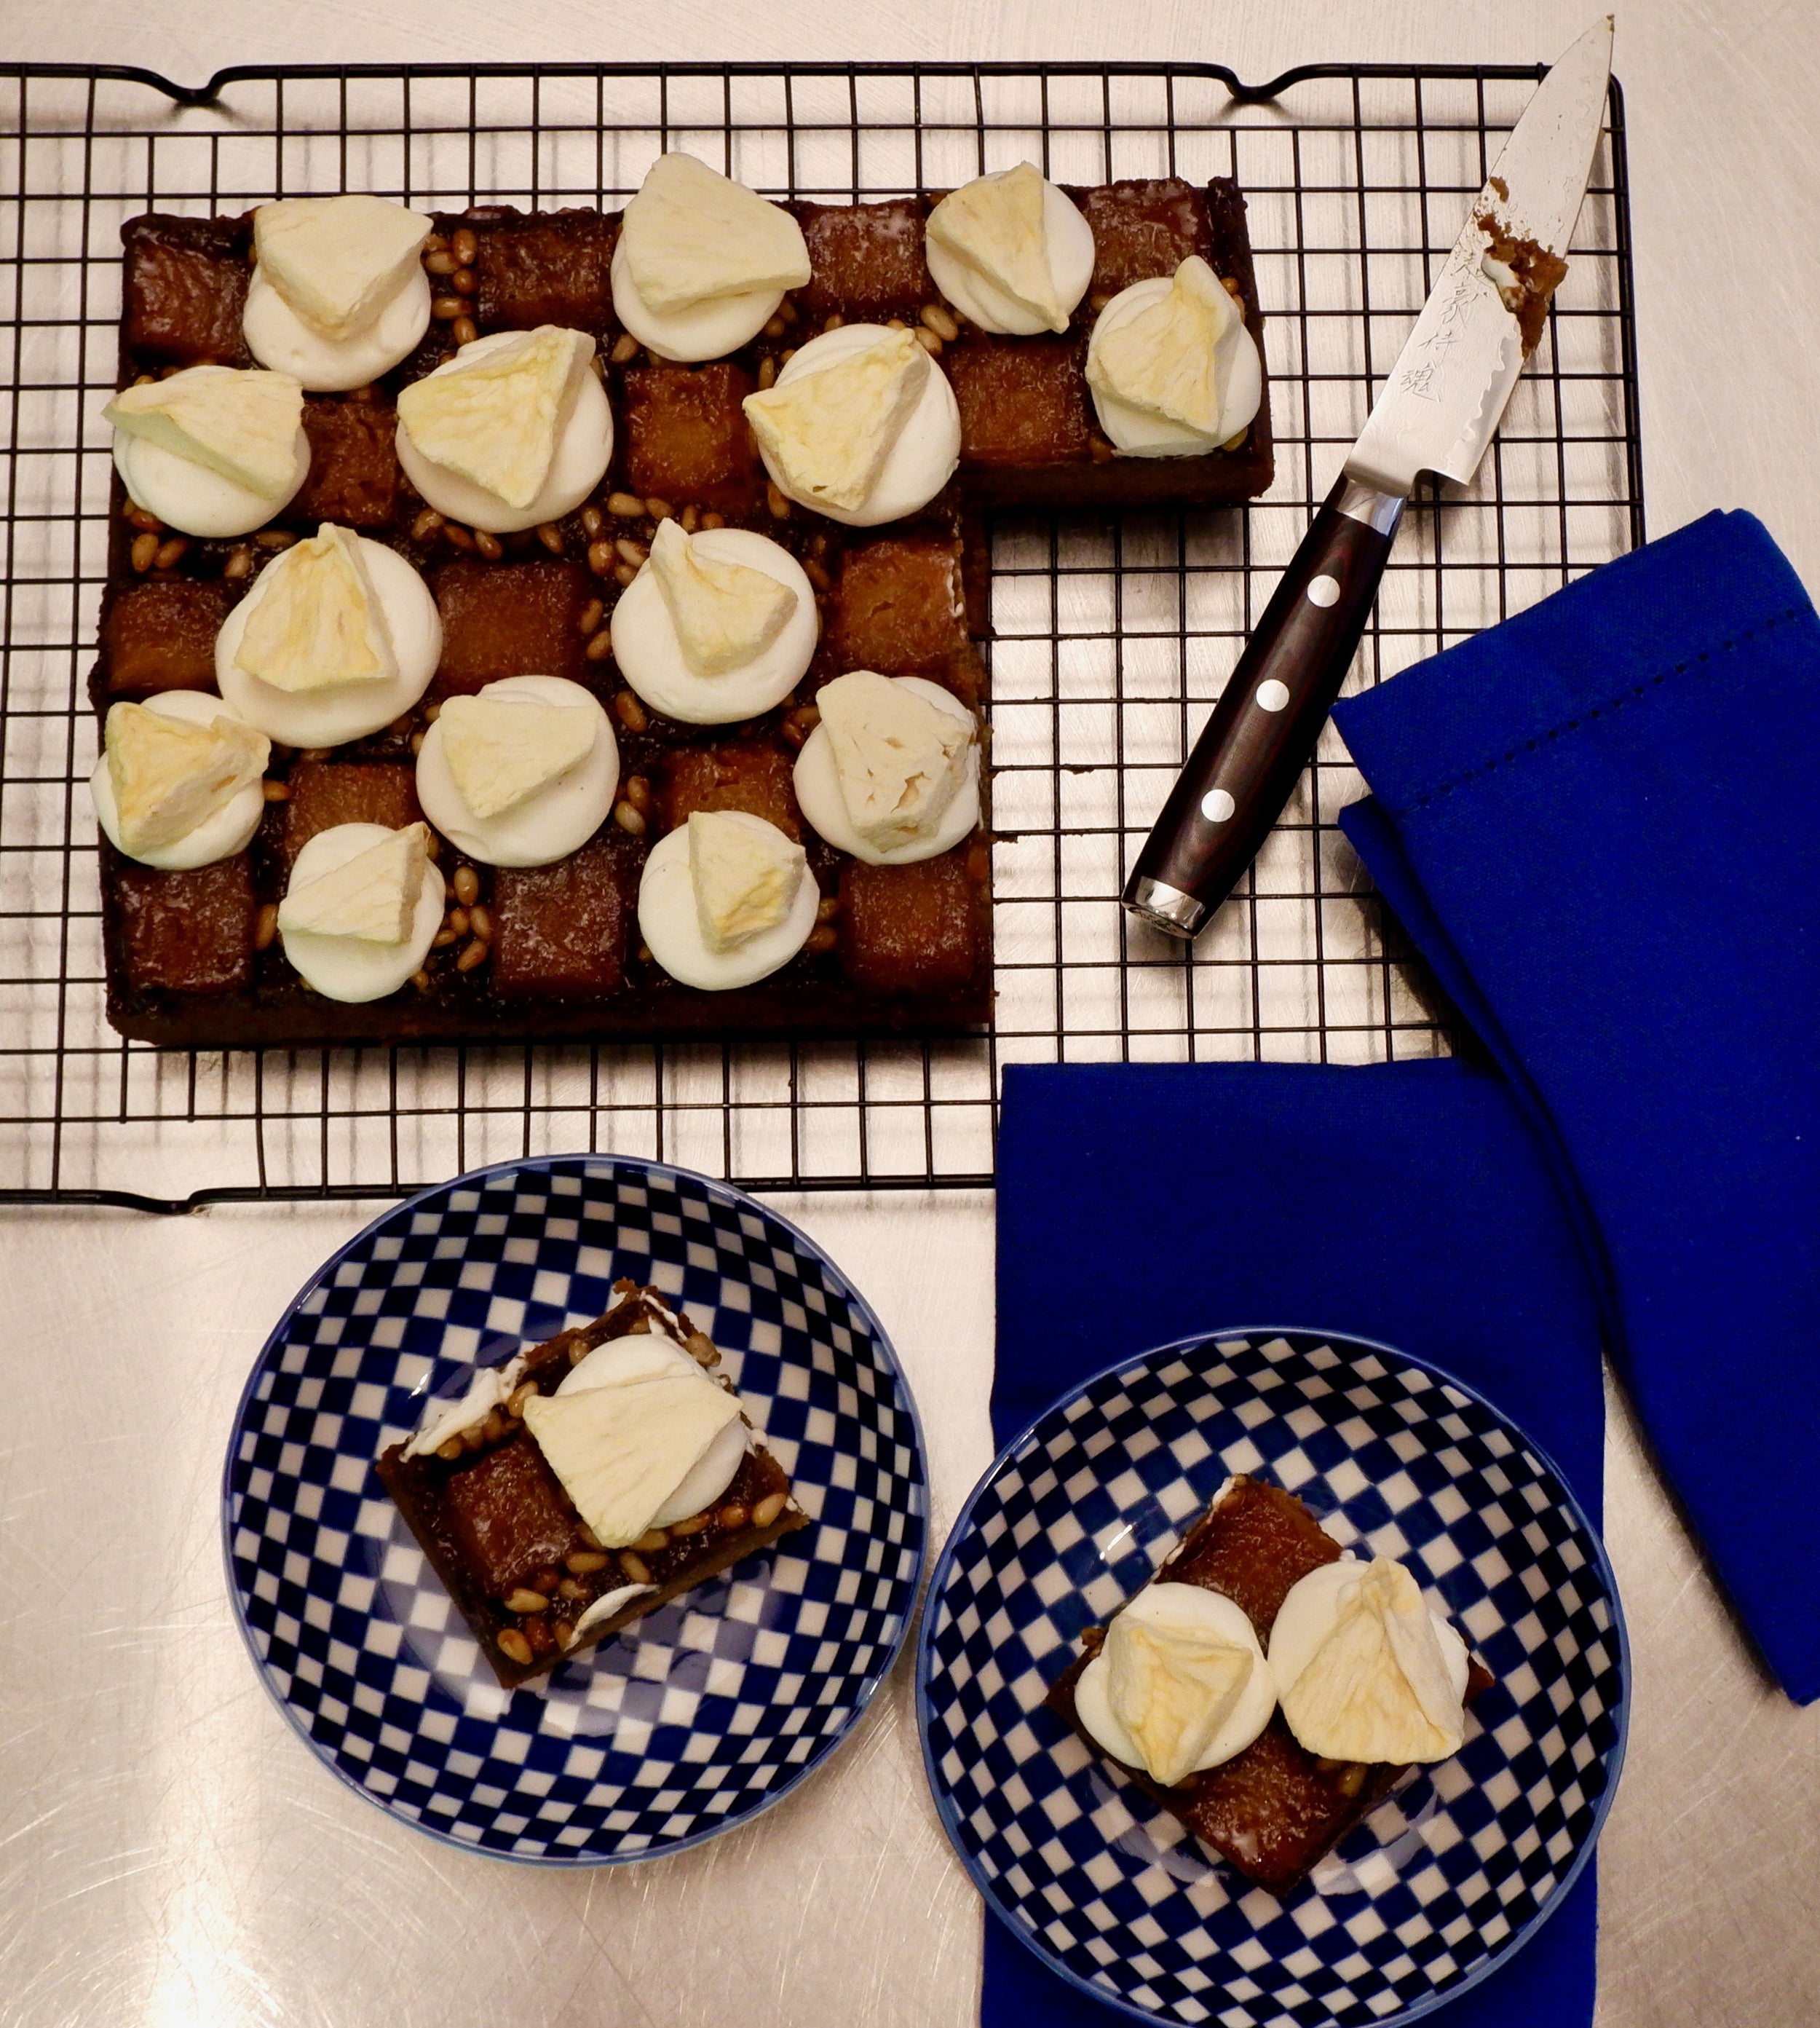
x=564, y=960
x=1275, y=1810
x=495, y=1520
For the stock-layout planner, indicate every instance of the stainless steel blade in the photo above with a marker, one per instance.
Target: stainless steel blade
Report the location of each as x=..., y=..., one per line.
x=1445, y=396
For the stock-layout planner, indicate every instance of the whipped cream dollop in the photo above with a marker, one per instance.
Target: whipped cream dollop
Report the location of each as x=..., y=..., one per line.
x=513, y=430
x=861, y=425
x=1174, y=371
x=1366, y=1669
x=362, y=908
x=1179, y=1684
x=702, y=262
x=521, y=774
x=179, y=782
x=891, y=774
x=338, y=637
x=725, y=900
x=339, y=295
x=1011, y=252
x=213, y=450
x=489, y=1388
x=716, y=626
x=639, y=1436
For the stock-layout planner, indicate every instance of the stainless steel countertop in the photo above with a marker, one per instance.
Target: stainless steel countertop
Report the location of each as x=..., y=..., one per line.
x=170, y=1855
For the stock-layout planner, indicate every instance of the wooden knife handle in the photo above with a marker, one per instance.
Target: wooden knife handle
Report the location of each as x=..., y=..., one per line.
x=1263, y=729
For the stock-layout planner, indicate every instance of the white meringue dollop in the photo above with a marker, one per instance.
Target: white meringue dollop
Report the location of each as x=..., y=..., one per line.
x=555, y=819
x=1173, y=369
x=186, y=467
x=331, y=716
x=649, y=651
x=279, y=338
x=355, y=969
x=824, y=802
x=1011, y=252
x=227, y=830
x=671, y=915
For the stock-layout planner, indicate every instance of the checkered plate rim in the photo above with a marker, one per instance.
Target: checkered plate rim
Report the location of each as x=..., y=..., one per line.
x=663, y=1173
x=1133, y=1367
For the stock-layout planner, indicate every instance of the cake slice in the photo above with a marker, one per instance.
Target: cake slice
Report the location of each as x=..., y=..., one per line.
x=1274, y=1810
x=532, y=1579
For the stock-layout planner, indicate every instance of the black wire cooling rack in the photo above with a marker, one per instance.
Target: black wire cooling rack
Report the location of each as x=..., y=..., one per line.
x=1113, y=635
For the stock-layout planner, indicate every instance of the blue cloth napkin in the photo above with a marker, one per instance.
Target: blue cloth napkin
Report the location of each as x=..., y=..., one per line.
x=1598, y=821
x=1407, y=1202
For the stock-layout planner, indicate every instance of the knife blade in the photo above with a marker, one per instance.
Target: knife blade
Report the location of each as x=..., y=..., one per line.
x=1438, y=411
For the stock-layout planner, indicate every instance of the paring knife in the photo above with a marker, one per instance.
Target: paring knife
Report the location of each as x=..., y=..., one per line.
x=1438, y=412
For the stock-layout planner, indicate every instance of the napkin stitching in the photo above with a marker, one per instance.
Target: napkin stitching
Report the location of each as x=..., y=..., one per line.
x=1635, y=692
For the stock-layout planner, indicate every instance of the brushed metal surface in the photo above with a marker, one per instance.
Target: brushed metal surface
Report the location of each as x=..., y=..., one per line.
x=169, y=1855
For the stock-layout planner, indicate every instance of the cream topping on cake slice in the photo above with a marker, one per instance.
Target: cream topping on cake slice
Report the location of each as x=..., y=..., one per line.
x=745, y=874
x=372, y=897
x=492, y=414
x=503, y=747
x=992, y=239
x=900, y=760
x=829, y=431
x=1171, y=367
x=725, y=614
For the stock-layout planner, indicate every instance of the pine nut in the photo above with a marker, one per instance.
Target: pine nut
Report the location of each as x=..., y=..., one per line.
x=482, y=922
x=834, y=322
x=711, y=519
x=143, y=517
x=816, y=575
x=629, y=712
x=820, y=940
x=317, y=753
x=733, y=1516
x=928, y=342
x=630, y=552
x=600, y=558
x=637, y=1569
x=464, y=330
x=787, y=310
x=550, y=535
x=240, y=565
x=628, y=820
x=513, y=1644
x=450, y=1451
x=1237, y=442
x=276, y=792
x=464, y=246
x=775, y=328
x=598, y=366
x=265, y=928
x=582, y=1561
x=652, y=1540
x=444, y=309
x=767, y=1510
x=489, y=546
x=625, y=347
x=439, y=263
x=467, y=884
x=171, y=554
x=600, y=643
x=426, y=525
x=693, y=1525
x=940, y=320
x=593, y=521
x=592, y=613
x=520, y=1394
x=774, y=500
x=275, y=539
x=442, y=939
x=565, y=1634
x=688, y=518
x=1098, y=300
x=464, y=280
x=456, y=925
x=627, y=506
x=1233, y=290
x=569, y=1589
x=453, y=532
x=416, y=742
x=827, y=908
x=768, y=372
x=623, y=574
x=473, y=954
x=421, y=980
x=435, y=243
x=784, y=358
x=588, y=1535
x=636, y=791
x=145, y=549
x=659, y=510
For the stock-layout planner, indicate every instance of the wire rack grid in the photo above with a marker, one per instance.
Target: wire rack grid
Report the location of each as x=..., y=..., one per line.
x=1112, y=635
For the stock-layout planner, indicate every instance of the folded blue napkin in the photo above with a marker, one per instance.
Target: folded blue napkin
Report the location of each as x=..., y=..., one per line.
x=1598, y=821
x=1407, y=1202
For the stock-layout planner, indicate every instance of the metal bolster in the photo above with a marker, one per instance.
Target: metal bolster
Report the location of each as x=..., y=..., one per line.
x=1378, y=510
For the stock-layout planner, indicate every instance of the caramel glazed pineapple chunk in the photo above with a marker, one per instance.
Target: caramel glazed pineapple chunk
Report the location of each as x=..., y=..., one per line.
x=487, y=1485
x=1274, y=1809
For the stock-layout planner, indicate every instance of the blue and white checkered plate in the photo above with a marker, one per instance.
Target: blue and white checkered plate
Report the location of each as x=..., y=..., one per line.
x=1446, y=1877
x=695, y=1717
